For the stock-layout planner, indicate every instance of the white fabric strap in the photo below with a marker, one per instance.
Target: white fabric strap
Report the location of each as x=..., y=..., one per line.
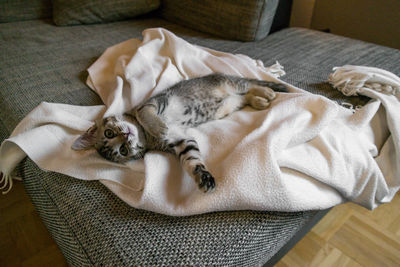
x=350, y=79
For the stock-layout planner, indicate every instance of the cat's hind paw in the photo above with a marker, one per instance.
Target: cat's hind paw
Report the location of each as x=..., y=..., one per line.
x=258, y=102
x=260, y=97
x=264, y=92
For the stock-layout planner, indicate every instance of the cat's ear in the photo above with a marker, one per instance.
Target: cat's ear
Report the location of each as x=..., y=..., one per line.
x=86, y=140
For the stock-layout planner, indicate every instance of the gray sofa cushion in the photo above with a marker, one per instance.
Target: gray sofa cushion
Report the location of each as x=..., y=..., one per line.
x=16, y=10
x=41, y=62
x=73, y=12
x=232, y=19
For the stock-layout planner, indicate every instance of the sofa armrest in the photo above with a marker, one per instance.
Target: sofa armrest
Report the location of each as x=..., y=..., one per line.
x=244, y=20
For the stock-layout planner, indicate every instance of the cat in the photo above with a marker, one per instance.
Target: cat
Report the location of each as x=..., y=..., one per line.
x=160, y=122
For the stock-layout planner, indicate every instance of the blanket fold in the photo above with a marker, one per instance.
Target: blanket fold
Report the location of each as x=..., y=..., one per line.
x=305, y=152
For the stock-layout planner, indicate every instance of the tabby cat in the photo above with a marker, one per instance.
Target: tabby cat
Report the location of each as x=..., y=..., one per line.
x=160, y=122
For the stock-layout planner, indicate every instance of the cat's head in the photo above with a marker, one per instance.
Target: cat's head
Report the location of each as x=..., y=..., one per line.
x=116, y=138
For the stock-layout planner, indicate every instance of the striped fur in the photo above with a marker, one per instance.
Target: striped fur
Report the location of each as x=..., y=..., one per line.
x=160, y=122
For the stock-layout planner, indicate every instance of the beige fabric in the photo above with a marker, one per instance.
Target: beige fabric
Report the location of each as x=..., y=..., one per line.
x=304, y=152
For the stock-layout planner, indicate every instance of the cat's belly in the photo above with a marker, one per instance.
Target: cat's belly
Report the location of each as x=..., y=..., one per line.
x=229, y=105
x=193, y=113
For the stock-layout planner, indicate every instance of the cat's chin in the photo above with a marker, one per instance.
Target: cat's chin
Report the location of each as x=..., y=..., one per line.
x=130, y=159
x=133, y=123
x=137, y=156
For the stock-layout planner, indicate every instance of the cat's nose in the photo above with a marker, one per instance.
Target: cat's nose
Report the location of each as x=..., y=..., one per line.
x=126, y=135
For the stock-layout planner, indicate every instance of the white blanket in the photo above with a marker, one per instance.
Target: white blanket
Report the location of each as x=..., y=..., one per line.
x=304, y=152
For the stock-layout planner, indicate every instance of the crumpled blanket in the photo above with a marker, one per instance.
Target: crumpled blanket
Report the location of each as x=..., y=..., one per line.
x=304, y=152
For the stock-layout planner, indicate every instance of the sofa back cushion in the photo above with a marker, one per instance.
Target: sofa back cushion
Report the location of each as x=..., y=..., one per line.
x=245, y=20
x=73, y=12
x=16, y=10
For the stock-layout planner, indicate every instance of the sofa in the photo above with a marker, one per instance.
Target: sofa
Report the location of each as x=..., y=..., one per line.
x=44, y=57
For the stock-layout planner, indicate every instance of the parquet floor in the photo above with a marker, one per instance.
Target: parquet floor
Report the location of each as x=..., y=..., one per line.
x=347, y=236
x=24, y=240
x=350, y=235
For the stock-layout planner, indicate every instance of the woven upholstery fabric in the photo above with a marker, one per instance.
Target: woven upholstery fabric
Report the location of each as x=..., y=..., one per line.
x=73, y=12
x=232, y=19
x=41, y=62
x=115, y=234
x=16, y=10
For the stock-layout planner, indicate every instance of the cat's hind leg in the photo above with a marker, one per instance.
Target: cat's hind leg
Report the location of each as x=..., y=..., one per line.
x=257, y=102
x=257, y=93
x=261, y=93
x=187, y=150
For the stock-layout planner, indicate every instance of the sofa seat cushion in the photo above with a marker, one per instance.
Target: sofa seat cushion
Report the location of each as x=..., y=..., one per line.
x=42, y=62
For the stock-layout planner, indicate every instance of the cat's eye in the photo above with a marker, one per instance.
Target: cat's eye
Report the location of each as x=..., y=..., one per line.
x=123, y=150
x=109, y=133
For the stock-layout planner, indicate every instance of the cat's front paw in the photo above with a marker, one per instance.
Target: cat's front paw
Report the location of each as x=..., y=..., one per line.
x=157, y=129
x=205, y=179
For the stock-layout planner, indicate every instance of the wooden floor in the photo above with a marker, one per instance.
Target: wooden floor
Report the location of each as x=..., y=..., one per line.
x=350, y=235
x=347, y=236
x=24, y=240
